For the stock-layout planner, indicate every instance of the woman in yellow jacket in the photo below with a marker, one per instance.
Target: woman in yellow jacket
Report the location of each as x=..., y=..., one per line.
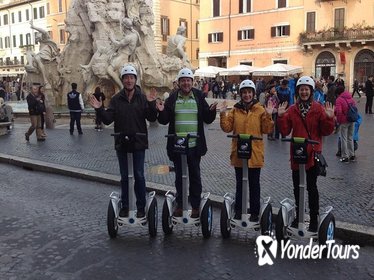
x=248, y=116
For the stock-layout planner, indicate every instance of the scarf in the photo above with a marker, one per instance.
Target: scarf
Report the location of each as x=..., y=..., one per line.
x=304, y=108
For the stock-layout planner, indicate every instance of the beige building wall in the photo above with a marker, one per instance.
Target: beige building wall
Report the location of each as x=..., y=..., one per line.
x=56, y=21
x=175, y=11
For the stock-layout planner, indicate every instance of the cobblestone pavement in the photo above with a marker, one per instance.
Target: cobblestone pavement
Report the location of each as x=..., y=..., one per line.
x=349, y=188
x=54, y=227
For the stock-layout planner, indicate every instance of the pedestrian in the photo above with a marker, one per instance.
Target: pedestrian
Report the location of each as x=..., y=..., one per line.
x=284, y=92
x=35, y=110
x=369, y=90
x=346, y=127
x=356, y=88
x=41, y=98
x=76, y=106
x=355, y=138
x=307, y=119
x=186, y=111
x=129, y=109
x=99, y=95
x=273, y=98
x=330, y=95
x=318, y=94
x=248, y=116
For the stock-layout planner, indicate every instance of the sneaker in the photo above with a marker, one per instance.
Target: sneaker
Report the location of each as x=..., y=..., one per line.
x=195, y=213
x=27, y=137
x=124, y=212
x=178, y=212
x=80, y=132
x=140, y=213
x=339, y=154
x=346, y=160
x=253, y=218
x=41, y=139
x=352, y=158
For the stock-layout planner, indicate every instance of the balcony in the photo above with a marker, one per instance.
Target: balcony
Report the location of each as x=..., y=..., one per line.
x=334, y=36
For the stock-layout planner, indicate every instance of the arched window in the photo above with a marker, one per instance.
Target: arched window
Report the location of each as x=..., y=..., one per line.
x=325, y=65
x=363, y=65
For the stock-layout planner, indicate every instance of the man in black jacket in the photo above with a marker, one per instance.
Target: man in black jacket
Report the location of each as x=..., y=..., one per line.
x=35, y=110
x=129, y=109
x=369, y=90
x=76, y=106
x=186, y=111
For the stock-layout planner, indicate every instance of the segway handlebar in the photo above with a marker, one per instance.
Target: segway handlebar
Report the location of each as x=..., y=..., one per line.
x=299, y=140
x=126, y=135
x=182, y=135
x=248, y=136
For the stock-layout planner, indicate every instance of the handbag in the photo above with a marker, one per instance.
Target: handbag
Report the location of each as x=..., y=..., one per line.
x=320, y=162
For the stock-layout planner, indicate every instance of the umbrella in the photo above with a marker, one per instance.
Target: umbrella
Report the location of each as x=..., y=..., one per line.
x=241, y=69
x=278, y=70
x=208, y=71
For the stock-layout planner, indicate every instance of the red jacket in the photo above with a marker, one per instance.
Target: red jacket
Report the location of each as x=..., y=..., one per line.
x=318, y=123
x=341, y=107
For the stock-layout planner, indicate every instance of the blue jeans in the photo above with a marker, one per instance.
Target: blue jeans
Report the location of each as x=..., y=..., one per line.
x=139, y=186
x=193, y=163
x=254, y=189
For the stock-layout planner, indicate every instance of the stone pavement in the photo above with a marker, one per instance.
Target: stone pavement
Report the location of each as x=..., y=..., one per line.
x=349, y=188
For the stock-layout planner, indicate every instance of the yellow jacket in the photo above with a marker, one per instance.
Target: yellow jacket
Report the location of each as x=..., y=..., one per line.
x=254, y=122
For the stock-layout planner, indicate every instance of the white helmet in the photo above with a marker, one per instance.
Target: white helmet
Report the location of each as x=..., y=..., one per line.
x=128, y=69
x=185, y=73
x=306, y=80
x=247, y=84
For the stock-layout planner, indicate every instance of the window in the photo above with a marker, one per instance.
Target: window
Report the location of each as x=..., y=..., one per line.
x=60, y=6
x=62, y=36
x=216, y=8
x=16, y=60
x=280, y=61
x=339, y=19
x=279, y=31
x=7, y=61
x=22, y=60
x=50, y=33
x=246, y=34
x=7, y=42
x=27, y=15
x=183, y=22
x=35, y=13
x=21, y=40
x=0, y=21
x=215, y=37
x=311, y=22
x=5, y=19
x=48, y=9
x=282, y=4
x=244, y=6
x=165, y=30
x=28, y=39
x=41, y=12
x=14, y=41
x=1, y=61
x=197, y=53
x=197, y=30
x=12, y=16
x=1, y=43
x=19, y=16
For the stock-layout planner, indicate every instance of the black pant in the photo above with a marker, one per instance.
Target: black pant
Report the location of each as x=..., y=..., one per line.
x=42, y=121
x=75, y=117
x=369, y=104
x=193, y=163
x=98, y=120
x=356, y=90
x=311, y=186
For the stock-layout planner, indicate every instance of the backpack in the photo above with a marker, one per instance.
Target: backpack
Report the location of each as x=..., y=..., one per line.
x=352, y=114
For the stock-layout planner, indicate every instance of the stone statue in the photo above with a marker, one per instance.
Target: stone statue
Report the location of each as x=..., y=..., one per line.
x=107, y=61
x=48, y=52
x=176, y=45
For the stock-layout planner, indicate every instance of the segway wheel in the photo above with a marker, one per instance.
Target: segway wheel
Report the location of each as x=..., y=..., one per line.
x=225, y=222
x=152, y=218
x=326, y=231
x=167, y=225
x=266, y=221
x=206, y=219
x=280, y=228
x=111, y=221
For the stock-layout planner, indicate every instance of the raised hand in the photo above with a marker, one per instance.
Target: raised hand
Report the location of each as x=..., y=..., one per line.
x=160, y=106
x=329, y=108
x=213, y=106
x=94, y=102
x=282, y=109
x=223, y=107
x=269, y=107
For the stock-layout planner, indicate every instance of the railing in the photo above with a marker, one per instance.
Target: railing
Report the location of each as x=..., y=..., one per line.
x=335, y=35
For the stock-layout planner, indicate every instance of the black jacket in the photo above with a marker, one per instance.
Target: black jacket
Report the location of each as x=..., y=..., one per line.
x=369, y=88
x=34, y=105
x=167, y=116
x=130, y=117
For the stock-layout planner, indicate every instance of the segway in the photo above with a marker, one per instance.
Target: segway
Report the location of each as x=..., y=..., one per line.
x=227, y=222
x=205, y=218
x=286, y=215
x=114, y=221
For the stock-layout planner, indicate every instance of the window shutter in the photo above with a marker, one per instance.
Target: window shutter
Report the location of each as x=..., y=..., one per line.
x=249, y=6
x=168, y=27
x=209, y=38
x=240, y=6
x=220, y=36
x=273, y=31
x=252, y=34
x=287, y=30
x=239, y=35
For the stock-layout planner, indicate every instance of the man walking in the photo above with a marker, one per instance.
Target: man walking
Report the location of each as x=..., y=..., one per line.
x=35, y=109
x=76, y=106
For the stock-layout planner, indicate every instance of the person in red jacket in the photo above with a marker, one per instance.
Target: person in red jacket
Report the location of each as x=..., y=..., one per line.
x=307, y=117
